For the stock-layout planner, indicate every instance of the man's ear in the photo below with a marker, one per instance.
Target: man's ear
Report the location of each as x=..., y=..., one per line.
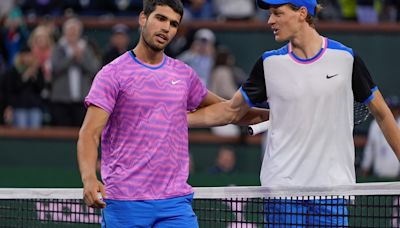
x=142, y=19
x=303, y=12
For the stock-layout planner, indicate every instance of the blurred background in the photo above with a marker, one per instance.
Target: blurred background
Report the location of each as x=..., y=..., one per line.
x=41, y=107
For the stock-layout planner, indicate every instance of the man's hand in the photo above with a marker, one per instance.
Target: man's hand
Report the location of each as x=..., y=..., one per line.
x=91, y=190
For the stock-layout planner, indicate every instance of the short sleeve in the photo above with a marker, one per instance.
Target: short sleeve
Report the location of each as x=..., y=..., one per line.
x=362, y=83
x=254, y=89
x=104, y=90
x=197, y=91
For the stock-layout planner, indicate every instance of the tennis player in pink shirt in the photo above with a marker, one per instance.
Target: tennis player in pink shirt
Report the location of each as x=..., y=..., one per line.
x=138, y=106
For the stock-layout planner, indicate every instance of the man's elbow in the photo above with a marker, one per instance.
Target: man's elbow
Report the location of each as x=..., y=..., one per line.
x=88, y=135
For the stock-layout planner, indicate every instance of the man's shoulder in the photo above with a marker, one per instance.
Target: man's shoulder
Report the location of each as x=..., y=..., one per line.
x=115, y=65
x=281, y=51
x=333, y=44
x=177, y=64
x=120, y=59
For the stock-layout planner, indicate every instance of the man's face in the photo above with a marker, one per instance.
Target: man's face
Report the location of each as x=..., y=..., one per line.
x=285, y=22
x=72, y=33
x=120, y=41
x=160, y=27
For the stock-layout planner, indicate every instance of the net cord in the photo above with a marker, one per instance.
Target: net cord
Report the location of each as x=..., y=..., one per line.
x=387, y=188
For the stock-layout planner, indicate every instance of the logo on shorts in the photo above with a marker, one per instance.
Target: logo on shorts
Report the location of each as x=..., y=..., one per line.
x=174, y=82
x=331, y=76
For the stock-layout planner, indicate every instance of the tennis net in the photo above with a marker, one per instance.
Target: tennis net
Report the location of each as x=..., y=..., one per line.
x=359, y=205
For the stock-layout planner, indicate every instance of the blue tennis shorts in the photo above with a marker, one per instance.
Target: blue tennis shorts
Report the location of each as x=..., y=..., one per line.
x=173, y=212
x=306, y=213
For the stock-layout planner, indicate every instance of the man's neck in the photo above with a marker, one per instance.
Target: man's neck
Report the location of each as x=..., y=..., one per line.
x=146, y=55
x=306, y=44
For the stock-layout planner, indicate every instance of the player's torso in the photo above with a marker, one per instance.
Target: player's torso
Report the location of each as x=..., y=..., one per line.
x=311, y=114
x=147, y=133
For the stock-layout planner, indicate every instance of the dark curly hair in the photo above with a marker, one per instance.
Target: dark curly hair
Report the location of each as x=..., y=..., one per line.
x=150, y=5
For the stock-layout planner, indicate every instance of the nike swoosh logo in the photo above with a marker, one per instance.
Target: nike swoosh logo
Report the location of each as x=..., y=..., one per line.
x=175, y=82
x=331, y=76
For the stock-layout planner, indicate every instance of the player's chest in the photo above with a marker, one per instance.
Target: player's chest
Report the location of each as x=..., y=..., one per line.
x=297, y=80
x=157, y=88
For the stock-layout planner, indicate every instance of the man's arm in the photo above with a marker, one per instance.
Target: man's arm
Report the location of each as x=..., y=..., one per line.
x=209, y=99
x=235, y=110
x=254, y=116
x=88, y=143
x=386, y=122
x=369, y=150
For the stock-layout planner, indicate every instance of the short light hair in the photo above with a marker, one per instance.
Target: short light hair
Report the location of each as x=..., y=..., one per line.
x=310, y=18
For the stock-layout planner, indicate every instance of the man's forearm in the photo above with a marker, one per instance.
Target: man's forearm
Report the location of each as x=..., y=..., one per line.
x=392, y=134
x=87, y=157
x=226, y=112
x=386, y=122
x=210, y=116
x=254, y=116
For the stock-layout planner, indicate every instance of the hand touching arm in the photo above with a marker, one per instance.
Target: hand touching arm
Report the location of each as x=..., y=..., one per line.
x=235, y=110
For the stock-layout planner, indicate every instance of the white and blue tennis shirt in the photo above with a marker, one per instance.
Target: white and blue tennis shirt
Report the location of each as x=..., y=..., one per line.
x=310, y=140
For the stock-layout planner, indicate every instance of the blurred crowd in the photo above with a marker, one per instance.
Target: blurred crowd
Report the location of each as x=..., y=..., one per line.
x=46, y=71
x=365, y=11
x=45, y=75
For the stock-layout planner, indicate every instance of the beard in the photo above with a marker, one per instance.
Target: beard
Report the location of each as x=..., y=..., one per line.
x=149, y=43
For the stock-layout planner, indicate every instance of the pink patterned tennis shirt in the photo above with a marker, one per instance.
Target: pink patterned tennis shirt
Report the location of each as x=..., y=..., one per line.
x=145, y=142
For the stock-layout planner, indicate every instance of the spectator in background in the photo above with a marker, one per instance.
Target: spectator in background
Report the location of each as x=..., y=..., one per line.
x=225, y=79
x=397, y=6
x=234, y=9
x=201, y=54
x=14, y=34
x=88, y=7
x=198, y=10
x=127, y=7
x=225, y=162
x=366, y=12
x=49, y=22
x=24, y=85
x=348, y=9
x=331, y=10
x=180, y=42
x=73, y=67
x=390, y=10
x=5, y=7
x=378, y=155
x=41, y=43
x=119, y=43
x=3, y=52
x=43, y=7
